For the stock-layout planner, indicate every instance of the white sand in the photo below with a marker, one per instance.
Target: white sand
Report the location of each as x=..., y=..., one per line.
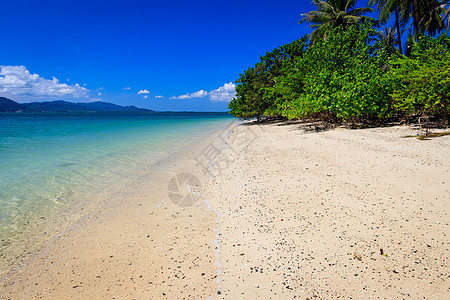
x=305, y=214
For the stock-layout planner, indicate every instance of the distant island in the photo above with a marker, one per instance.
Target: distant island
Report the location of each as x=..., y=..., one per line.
x=8, y=105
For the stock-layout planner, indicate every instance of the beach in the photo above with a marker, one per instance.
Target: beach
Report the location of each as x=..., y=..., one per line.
x=305, y=214
x=282, y=211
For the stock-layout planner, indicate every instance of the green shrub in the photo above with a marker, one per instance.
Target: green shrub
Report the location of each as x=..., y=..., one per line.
x=341, y=78
x=422, y=82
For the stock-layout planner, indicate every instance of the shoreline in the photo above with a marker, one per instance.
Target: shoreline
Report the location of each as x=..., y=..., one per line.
x=62, y=185
x=287, y=212
x=146, y=189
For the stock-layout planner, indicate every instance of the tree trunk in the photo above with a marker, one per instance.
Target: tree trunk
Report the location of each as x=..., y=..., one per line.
x=416, y=18
x=399, y=33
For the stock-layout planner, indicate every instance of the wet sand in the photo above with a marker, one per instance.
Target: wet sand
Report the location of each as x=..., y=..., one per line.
x=285, y=212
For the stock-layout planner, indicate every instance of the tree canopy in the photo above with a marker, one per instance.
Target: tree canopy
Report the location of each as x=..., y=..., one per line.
x=331, y=14
x=348, y=71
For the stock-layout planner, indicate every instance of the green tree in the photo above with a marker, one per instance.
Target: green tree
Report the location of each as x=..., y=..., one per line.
x=248, y=100
x=422, y=81
x=387, y=38
x=342, y=79
x=254, y=94
x=332, y=14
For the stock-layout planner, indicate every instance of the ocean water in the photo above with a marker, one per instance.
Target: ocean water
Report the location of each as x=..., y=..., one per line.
x=51, y=163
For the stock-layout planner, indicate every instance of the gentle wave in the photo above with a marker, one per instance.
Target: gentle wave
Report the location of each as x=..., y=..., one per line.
x=51, y=164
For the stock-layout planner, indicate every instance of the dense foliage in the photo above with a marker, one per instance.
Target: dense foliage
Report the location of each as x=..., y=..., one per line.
x=354, y=73
x=423, y=80
x=342, y=79
x=254, y=95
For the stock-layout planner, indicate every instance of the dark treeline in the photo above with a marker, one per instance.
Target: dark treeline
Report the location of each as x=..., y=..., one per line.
x=349, y=71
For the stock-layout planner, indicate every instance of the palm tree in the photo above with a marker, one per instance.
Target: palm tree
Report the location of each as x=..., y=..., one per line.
x=446, y=8
x=416, y=15
x=332, y=14
x=387, y=39
x=404, y=10
x=386, y=8
x=432, y=18
x=428, y=16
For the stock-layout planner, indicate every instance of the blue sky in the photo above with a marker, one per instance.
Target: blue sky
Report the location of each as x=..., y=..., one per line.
x=162, y=55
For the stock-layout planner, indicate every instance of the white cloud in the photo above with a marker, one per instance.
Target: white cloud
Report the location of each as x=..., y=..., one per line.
x=17, y=80
x=224, y=93
x=198, y=94
x=158, y=96
x=100, y=94
x=143, y=92
x=146, y=96
x=127, y=88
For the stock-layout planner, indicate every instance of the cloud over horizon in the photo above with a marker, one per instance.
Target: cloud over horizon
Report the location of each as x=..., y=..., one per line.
x=17, y=80
x=224, y=94
x=144, y=91
x=198, y=94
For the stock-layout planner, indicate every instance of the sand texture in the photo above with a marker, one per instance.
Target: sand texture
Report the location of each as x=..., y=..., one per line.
x=285, y=212
x=304, y=214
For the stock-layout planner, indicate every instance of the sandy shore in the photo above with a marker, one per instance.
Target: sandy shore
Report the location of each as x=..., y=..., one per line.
x=284, y=212
x=304, y=214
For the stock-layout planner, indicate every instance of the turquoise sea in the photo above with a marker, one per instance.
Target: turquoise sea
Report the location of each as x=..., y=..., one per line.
x=51, y=162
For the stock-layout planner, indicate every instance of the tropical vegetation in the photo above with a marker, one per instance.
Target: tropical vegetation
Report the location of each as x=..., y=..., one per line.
x=348, y=70
x=332, y=14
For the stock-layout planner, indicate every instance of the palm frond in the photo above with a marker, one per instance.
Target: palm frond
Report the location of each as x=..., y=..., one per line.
x=318, y=34
x=360, y=11
x=350, y=20
x=334, y=13
x=349, y=5
x=325, y=7
x=315, y=17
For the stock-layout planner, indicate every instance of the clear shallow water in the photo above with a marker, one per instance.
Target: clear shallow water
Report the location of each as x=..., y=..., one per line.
x=48, y=160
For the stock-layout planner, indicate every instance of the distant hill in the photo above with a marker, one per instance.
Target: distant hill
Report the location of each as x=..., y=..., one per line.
x=52, y=106
x=7, y=105
x=105, y=106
